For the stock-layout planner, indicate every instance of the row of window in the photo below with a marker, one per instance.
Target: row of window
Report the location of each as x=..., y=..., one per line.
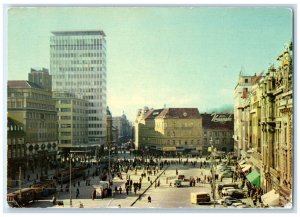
x=177, y=125
x=16, y=152
x=94, y=118
x=31, y=105
x=94, y=133
x=79, y=76
x=82, y=69
x=74, y=126
x=81, y=83
x=217, y=133
x=43, y=136
x=47, y=96
x=75, y=133
x=37, y=115
x=186, y=142
x=76, y=47
x=57, y=40
x=217, y=141
x=41, y=125
x=75, y=118
x=76, y=55
x=95, y=125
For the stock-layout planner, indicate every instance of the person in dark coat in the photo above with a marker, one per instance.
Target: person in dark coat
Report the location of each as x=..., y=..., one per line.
x=77, y=193
x=94, y=194
x=149, y=199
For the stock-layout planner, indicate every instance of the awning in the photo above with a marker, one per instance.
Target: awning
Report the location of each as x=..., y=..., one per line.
x=246, y=168
x=241, y=162
x=254, y=178
x=243, y=165
x=271, y=198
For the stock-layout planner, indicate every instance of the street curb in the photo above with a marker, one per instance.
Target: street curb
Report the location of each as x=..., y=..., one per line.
x=139, y=197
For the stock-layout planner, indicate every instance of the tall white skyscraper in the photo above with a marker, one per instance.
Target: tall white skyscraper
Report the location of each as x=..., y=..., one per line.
x=78, y=65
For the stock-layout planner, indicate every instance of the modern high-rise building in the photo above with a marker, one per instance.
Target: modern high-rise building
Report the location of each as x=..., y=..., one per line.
x=78, y=65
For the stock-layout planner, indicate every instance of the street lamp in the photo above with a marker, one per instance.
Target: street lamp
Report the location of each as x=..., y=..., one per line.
x=70, y=158
x=212, y=159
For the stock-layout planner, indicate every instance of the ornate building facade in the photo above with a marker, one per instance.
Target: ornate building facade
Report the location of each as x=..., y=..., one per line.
x=268, y=113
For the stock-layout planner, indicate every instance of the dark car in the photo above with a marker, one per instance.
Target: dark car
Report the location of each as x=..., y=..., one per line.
x=229, y=201
x=236, y=194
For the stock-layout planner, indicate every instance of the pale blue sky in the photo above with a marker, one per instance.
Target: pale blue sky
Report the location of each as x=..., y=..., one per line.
x=181, y=57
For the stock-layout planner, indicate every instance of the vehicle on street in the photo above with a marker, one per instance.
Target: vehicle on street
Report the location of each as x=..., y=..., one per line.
x=230, y=201
x=236, y=205
x=226, y=175
x=182, y=183
x=236, y=193
x=200, y=198
x=221, y=201
x=226, y=189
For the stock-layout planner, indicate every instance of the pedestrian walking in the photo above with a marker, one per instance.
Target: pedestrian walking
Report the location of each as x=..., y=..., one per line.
x=120, y=190
x=149, y=199
x=94, y=194
x=54, y=200
x=77, y=192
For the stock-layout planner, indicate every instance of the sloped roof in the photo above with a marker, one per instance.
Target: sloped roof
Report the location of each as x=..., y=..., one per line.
x=180, y=113
x=209, y=123
x=22, y=84
x=152, y=114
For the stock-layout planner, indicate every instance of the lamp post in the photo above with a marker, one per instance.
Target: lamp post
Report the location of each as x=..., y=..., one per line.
x=70, y=158
x=212, y=158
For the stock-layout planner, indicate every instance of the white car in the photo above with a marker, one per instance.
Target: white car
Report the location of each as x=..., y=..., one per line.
x=224, y=190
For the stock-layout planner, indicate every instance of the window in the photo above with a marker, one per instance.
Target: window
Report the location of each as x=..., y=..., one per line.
x=65, y=109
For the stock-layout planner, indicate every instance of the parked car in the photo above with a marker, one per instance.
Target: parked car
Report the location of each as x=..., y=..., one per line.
x=236, y=205
x=236, y=193
x=226, y=175
x=225, y=189
x=221, y=186
x=221, y=201
x=231, y=200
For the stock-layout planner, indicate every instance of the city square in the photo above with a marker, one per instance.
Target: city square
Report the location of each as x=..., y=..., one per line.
x=119, y=111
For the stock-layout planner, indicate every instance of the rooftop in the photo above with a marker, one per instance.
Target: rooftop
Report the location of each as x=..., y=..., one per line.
x=79, y=32
x=22, y=84
x=180, y=113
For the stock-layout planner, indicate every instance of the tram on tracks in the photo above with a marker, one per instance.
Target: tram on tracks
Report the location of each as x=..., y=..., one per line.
x=64, y=175
x=21, y=197
x=37, y=191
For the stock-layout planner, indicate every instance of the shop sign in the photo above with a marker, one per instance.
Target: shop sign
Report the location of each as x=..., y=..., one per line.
x=221, y=118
